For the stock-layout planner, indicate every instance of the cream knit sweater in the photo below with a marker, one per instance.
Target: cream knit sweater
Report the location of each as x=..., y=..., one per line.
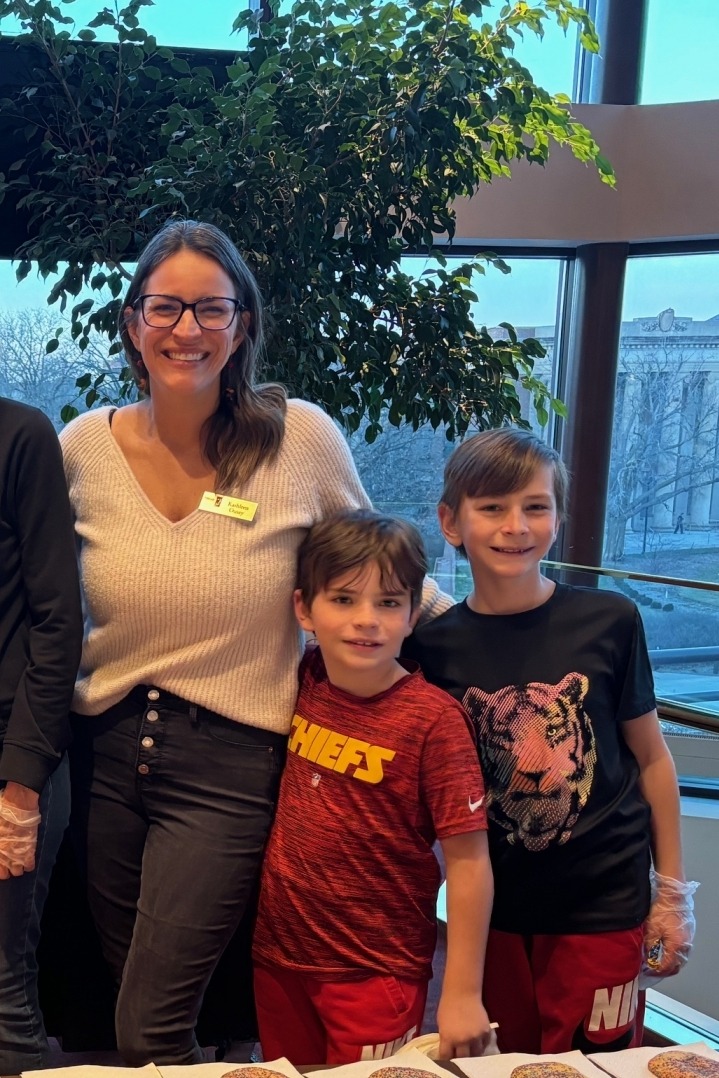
x=201, y=608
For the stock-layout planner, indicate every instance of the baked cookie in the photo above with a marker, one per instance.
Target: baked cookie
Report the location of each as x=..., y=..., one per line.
x=402, y=1072
x=253, y=1072
x=545, y=1070
x=678, y=1064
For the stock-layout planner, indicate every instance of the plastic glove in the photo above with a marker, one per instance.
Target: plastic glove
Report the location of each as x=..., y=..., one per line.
x=18, y=838
x=669, y=928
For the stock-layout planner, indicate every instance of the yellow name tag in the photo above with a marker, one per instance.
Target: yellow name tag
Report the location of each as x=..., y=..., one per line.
x=226, y=506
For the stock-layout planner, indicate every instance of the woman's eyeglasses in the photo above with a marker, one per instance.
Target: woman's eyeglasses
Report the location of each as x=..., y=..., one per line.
x=164, y=312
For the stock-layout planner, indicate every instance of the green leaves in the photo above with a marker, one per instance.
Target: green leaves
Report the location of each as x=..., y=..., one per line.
x=337, y=142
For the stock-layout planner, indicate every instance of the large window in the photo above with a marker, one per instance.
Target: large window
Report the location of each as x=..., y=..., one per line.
x=663, y=505
x=681, y=45
x=663, y=500
x=402, y=470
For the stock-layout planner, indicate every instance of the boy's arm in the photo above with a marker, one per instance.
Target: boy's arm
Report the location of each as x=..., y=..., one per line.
x=461, y=1017
x=670, y=921
x=658, y=783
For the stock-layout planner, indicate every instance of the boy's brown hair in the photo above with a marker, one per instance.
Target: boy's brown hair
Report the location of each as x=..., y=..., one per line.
x=349, y=540
x=501, y=462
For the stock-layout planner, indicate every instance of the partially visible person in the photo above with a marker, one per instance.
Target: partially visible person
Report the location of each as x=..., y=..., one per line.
x=380, y=764
x=581, y=790
x=190, y=506
x=40, y=637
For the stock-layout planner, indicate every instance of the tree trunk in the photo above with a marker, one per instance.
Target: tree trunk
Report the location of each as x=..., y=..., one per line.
x=616, y=535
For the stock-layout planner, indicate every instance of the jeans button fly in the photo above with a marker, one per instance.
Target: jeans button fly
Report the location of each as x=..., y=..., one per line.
x=153, y=716
x=147, y=742
x=153, y=694
x=144, y=769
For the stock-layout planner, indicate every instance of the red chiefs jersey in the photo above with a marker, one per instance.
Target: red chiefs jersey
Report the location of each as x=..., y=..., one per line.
x=350, y=881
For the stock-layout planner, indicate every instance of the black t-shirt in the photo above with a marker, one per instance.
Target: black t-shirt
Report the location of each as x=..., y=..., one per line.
x=547, y=690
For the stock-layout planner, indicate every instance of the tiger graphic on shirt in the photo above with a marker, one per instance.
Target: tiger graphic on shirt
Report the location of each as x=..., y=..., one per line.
x=538, y=753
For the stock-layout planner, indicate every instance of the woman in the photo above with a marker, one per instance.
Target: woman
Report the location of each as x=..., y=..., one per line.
x=188, y=674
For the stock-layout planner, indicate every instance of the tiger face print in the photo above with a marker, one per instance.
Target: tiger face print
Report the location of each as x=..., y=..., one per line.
x=538, y=754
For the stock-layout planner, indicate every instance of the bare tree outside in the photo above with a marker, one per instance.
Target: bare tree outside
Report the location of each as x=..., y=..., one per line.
x=47, y=379
x=664, y=445
x=402, y=473
x=27, y=371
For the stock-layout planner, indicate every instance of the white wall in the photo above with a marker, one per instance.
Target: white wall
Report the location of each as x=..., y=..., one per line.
x=698, y=983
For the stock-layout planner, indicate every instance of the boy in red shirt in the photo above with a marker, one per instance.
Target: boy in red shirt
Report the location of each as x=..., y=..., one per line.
x=380, y=764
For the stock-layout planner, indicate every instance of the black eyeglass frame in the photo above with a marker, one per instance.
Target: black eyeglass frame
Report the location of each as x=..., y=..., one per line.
x=140, y=301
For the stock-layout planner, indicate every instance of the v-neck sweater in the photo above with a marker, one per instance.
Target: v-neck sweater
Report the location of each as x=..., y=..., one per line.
x=202, y=607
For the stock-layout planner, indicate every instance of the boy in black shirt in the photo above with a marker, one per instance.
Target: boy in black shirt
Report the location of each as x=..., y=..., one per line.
x=581, y=789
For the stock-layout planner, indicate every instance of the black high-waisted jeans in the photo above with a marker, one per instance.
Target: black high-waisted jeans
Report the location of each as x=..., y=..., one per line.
x=172, y=807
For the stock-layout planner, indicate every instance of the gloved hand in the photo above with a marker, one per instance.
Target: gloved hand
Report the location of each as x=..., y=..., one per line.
x=669, y=928
x=18, y=838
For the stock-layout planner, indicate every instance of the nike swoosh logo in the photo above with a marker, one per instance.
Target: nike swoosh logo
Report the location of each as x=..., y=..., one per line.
x=474, y=805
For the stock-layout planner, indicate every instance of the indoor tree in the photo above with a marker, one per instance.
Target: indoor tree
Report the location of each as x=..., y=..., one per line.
x=332, y=144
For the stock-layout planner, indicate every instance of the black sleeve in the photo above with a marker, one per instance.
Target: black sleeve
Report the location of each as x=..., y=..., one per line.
x=38, y=728
x=427, y=646
x=637, y=690
x=411, y=648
